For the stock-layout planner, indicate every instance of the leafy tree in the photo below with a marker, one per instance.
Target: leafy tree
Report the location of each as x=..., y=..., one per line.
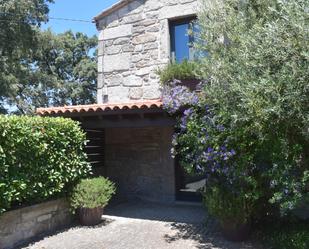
x=18, y=22
x=39, y=68
x=249, y=131
x=258, y=86
x=63, y=71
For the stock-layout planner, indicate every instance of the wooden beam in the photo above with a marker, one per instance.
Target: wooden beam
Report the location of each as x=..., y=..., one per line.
x=128, y=123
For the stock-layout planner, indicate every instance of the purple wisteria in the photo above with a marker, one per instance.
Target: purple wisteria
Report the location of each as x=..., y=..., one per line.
x=203, y=153
x=176, y=96
x=199, y=140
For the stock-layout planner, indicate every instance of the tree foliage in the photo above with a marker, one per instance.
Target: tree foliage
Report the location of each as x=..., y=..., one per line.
x=249, y=132
x=40, y=68
x=62, y=71
x=258, y=86
x=18, y=22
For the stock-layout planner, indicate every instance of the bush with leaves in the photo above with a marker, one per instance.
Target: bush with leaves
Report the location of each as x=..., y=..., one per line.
x=92, y=193
x=284, y=234
x=39, y=158
x=206, y=147
x=254, y=134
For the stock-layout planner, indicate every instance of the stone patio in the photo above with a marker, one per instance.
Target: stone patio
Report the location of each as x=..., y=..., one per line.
x=143, y=225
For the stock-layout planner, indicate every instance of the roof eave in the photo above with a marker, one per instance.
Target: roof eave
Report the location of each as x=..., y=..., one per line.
x=99, y=108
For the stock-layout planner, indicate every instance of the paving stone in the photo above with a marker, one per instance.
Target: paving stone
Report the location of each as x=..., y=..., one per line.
x=143, y=225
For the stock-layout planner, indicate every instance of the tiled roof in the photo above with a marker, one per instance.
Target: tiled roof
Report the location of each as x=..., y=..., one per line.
x=155, y=104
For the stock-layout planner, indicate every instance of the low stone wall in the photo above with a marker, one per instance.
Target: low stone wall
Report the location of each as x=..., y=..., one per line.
x=21, y=225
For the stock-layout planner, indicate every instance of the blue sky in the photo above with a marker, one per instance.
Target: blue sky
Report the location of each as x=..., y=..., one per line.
x=76, y=9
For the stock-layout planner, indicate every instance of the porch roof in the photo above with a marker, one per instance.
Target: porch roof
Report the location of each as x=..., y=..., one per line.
x=100, y=108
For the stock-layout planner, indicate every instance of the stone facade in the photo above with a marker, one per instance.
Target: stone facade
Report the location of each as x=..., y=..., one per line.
x=134, y=42
x=19, y=226
x=139, y=161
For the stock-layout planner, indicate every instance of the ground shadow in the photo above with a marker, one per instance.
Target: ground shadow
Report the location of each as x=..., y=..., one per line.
x=207, y=235
x=187, y=222
x=158, y=211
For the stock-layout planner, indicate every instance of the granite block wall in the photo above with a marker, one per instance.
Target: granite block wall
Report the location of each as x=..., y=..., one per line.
x=134, y=42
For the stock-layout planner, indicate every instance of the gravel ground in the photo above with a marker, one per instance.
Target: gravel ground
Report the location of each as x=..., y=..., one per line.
x=144, y=226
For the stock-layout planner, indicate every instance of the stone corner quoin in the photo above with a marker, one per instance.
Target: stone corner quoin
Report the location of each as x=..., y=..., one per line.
x=134, y=41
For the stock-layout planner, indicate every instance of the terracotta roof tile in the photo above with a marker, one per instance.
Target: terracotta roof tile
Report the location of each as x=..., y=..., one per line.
x=155, y=104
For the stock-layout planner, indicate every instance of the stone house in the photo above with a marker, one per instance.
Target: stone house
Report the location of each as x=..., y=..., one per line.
x=135, y=40
x=130, y=134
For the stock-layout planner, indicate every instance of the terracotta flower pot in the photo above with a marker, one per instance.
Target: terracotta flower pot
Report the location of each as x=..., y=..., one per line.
x=235, y=232
x=90, y=216
x=190, y=83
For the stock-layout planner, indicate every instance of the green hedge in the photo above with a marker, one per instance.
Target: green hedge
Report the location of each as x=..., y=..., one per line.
x=39, y=158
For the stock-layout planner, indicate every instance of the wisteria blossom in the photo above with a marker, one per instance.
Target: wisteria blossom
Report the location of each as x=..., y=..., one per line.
x=176, y=96
x=192, y=141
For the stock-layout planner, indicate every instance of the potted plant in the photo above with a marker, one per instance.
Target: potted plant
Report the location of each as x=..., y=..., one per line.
x=184, y=72
x=234, y=212
x=89, y=197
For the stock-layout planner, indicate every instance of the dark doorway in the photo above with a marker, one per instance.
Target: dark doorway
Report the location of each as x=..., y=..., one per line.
x=188, y=185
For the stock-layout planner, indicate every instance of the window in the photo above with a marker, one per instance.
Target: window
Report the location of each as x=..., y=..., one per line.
x=181, y=41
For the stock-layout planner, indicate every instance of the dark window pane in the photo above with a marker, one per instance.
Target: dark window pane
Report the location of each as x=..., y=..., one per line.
x=180, y=41
x=196, y=37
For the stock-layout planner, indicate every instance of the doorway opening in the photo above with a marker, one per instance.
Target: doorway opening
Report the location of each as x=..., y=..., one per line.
x=188, y=186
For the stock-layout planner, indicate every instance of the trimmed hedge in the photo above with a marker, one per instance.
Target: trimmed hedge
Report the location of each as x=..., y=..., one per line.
x=39, y=158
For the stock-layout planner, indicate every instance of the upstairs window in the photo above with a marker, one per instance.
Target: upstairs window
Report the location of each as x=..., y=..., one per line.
x=181, y=42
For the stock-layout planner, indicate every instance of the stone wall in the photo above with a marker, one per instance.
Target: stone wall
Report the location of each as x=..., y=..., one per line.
x=134, y=42
x=19, y=226
x=139, y=161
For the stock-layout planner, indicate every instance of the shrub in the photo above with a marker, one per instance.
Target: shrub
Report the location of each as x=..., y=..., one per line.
x=229, y=206
x=206, y=147
x=284, y=234
x=92, y=193
x=39, y=158
x=178, y=71
x=248, y=133
x=258, y=89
